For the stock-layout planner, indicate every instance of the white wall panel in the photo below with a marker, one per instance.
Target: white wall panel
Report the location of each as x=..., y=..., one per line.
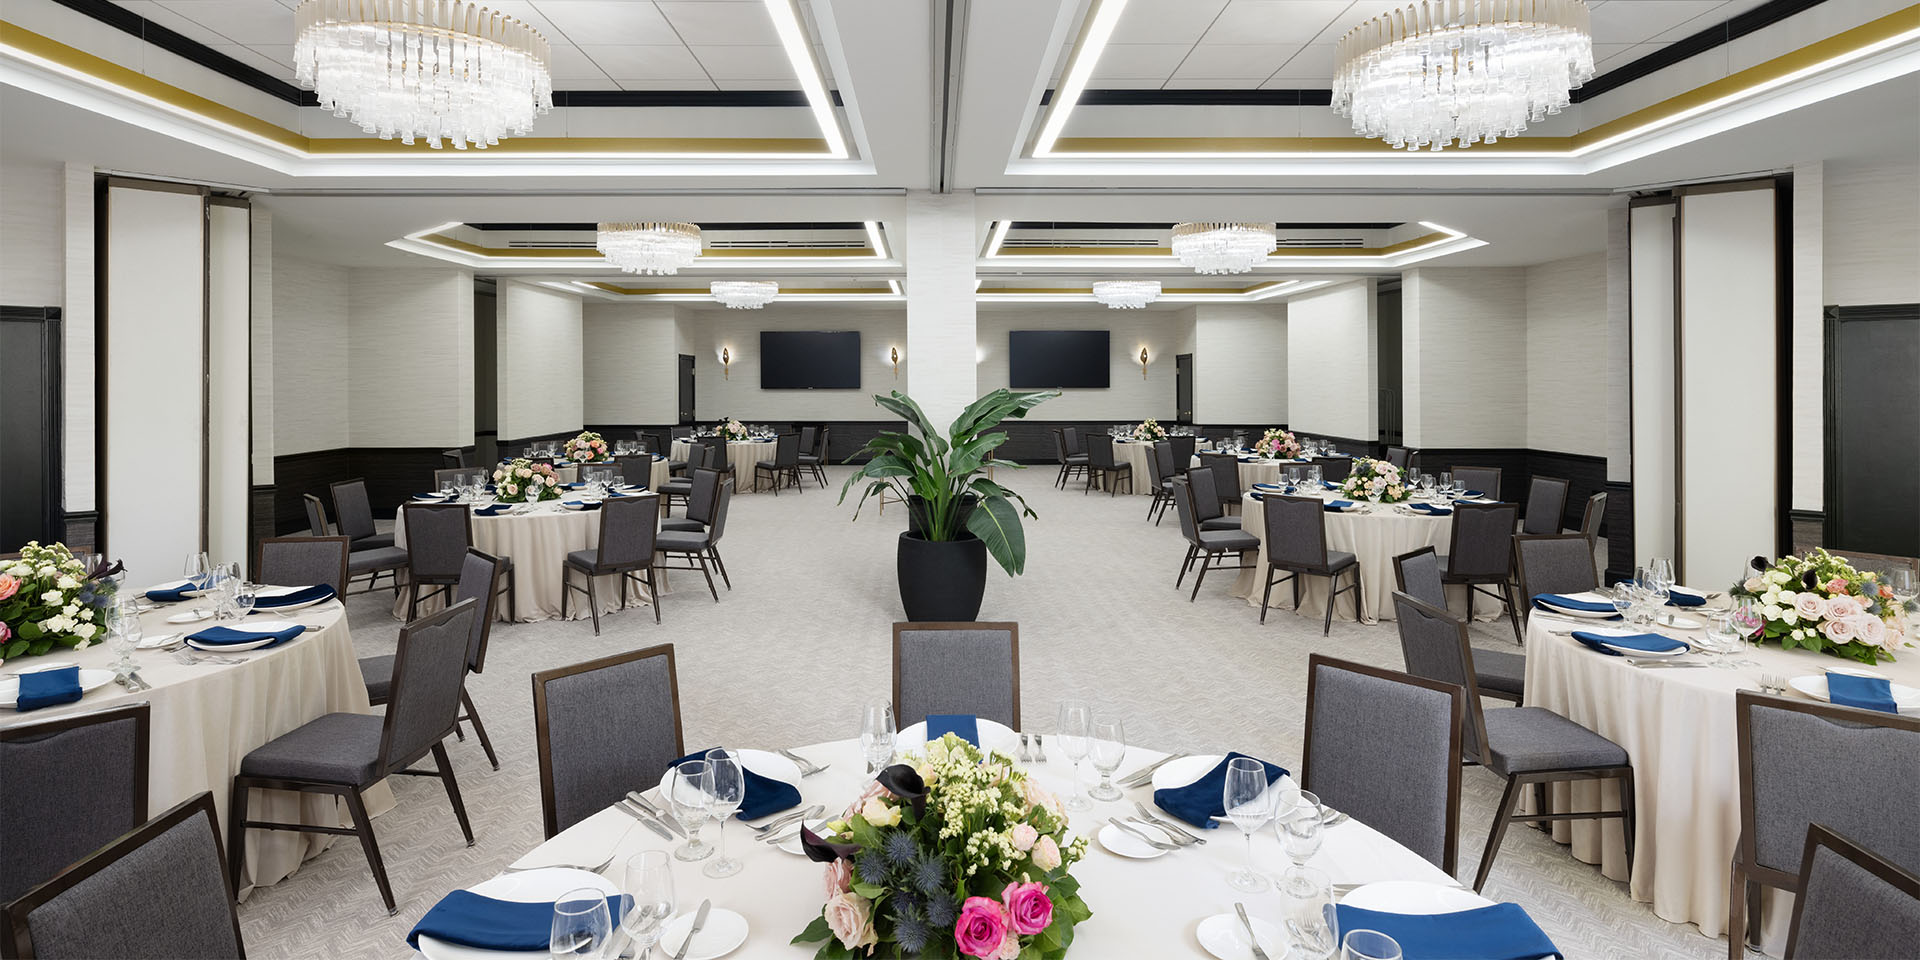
x=1872, y=231
x=262, y=333
x=735, y=390
x=1566, y=361
x=410, y=357
x=1619, y=372
x=630, y=364
x=1652, y=303
x=31, y=218
x=1332, y=373
x=78, y=320
x=1809, y=337
x=941, y=324
x=538, y=367
x=1131, y=397
x=1240, y=364
x=229, y=380
x=310, y=352
x=1463, y=356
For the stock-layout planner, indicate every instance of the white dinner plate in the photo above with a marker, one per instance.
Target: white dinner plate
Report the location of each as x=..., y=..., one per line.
x=1906, y=698
x=1583, y=614
x=770, y=765
x=724, y=932
x=243, y=627
x=90, y=680
x=793, y=846
x=265, y=592
x=1675, y=621
x=1122, y=843
x=528, y=886
x=1413, y=897
x=1630, y=651
x=157, y=641
x=190, y=616
x=1223, y=936
x=993, y=737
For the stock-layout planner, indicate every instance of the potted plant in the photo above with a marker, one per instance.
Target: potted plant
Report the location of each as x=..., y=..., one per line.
x=958, y=514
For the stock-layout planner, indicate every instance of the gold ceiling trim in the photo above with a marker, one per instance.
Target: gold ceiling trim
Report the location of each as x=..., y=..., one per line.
x=1164, y=291
x=704, y=292
x=724, y=253
x=1280, y=254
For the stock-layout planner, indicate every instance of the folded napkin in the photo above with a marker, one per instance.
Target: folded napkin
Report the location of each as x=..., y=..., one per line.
x=1500, y=932
x=1645, y=642
x=1548, y=601
x=1200, y=801
x=313, y=594
x=224, y=636
x=963, y=725
x=494, y=509
x=471, y=920
x=580, y=505
x=193, y=587
x=1338, y=506
x=573, y=486
x=1473, y=493
x=1249, y=459
x=765, y=795
x=1431, y=510
x=1329, y=484
x=1267, y=486
x=1683, y=597
x=1845, y=689
x=431, y=497
x=659, y=456
x=50, y=688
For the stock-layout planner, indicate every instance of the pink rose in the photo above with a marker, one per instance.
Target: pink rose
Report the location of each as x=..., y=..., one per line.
x=1839, y=631
x=1836, y=585
x=1024, y=835
x=850, y=917
x=1755, y=585
x=9, y=585
x=1809, y=606
x=839, y=878
x=1028, y=907
x=981, y=928
x=1869, y=629
x=1046, y=854
x=6, y=632
x=1842, y=608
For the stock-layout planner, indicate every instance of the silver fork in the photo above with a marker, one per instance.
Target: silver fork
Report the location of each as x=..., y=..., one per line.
x=772, y=826
x=1148, y=816
x=1039, y=750
x=1025, y=757
x=1143, y=838
x=191, y=659
x=807, y=767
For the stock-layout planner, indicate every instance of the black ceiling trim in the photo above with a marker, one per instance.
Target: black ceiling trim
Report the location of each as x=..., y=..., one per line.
x=1761, y=16
x=1200, y=98
x=748, y=225
x=685, y=98
x=1101, y=225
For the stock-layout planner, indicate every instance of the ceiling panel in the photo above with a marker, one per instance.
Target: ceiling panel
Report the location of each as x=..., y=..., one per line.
x=1252, y=61
x=746, y=63
x=1140, y=60
x=1311, y=68
x=710, y=22
x=1213, y=83
x=240, y=21
x=607, y=21
x=256, y=60
x=649, y=62
x=570, y=64
x=178, y=23
x=681, y=84
x=1280, y=21
x=1166, y=21
x=1632, y=21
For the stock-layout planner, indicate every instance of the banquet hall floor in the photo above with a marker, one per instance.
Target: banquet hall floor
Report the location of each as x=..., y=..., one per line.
x=804, y=637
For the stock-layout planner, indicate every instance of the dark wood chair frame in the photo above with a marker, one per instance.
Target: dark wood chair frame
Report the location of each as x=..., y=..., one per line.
x=140, y=713
x=392, y=573
x=1294, y=573
x=707, y=559
x=779, y=474
x=642, y=575
x=1479, y=586
x=1498, y=477
x=346, y=550
x=1067, y=469
x=1181, y=488
x=541, y=734
x=479, y=665
x=1013, y=633
x=1819, y=836
x=1400, y=585
x=503, y=579
x=1108, y=476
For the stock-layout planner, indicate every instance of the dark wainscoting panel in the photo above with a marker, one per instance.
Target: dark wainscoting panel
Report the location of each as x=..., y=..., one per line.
x=392, y=473
x=80, y=528
x=1586, y=474
x=263, y=518
x=1619, y=531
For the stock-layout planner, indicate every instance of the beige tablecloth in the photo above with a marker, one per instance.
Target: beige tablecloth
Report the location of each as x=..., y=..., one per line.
x=207, y=717
x=741, y=454
x=1677, y=725
x=1258, y=471
x=1375, y=538
x=538, y=541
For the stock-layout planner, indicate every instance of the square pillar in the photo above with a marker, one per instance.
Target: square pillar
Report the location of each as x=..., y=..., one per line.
x=941, y=339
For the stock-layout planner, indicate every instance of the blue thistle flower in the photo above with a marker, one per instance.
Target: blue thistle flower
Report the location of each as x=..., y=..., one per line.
x=940, y=912
x=910, y=933
x=900, y=849
x=872, y=866
x=930, y=875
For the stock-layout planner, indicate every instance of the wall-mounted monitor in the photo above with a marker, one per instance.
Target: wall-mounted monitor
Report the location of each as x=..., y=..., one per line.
x=1040, y=359
x=809, y=359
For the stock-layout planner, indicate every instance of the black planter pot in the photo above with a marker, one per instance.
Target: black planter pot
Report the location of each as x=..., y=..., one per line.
x=942, y=580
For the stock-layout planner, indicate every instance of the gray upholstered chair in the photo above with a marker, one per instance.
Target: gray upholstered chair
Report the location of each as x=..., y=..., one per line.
x=635, y=469
x=813, y=457
x=1208, y=508
x=480, y=582
x=629, y=527
x=89, y=770
x=1552, y=563
x=717, y=456
x=603, y=728
x=1399, y=456
x=376, y=563
x=784, y=468
x=158, y=891
x=316, y=516
x=700, y=503
x=701, y=550
x=1104, y=469
x=1070, y=463
x=1484, y=479
x=302, y=562
x=1502, y=674
x=1296, y=538
x=1529, y=746
x=1183, y=448
x=355, y=514
x=1226, y=477
x=345, y=753
x=1162, y=487
x=1072, y=436
x=1592, y=516
x=1164, y=455
x=680, y=487
x=1384, y=747
x=1546, y=501
x=438, y=535
x=1209, y=547
x=1334, y=469
x=971, y=668
x=1853, y=905
x=1417, y=574
x=807, y=437
x=1480, y=554
x=1794, y=756
x=454, y=458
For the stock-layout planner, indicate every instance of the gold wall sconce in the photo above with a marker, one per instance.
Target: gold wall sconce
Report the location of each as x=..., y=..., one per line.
x=726, y=363
x=894, y=353
x=1143, y=363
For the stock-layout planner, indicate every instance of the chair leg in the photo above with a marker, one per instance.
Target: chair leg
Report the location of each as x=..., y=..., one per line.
x=713, y=553
x=363, y=827
x=1737, y=914
x=1542, y=798
x=1326, y=627
x=1359, y=596
x=236, y=835
x=593, y=602
x=1185, y=565
x=513, y=604
x=1506, y=590
x=653, y=593
x=1205, y=562
x=445, y=764
x=1266, y=596
x=708, y=572
x=1626, y=821
x=566, y=589
x=1508, y=799
x=413, y=599
x=479, y=730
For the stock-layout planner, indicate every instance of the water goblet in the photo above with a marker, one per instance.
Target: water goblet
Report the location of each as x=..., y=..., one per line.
x=1446, y=482
x=1905, y=587
x=124, y=631
x=1249, y=805
x=1723, y=639
x=687, y=794
x=1312, y=926
x=1624, y=598
x=1660, y=571
x=1748, y=621
x=1107, y=747
x=1369, y=945
x=649, y=887
x=1075, y=724
x=245, y=595
x=725, y=787
x=877, y=735
x=581, y=925
x=1300, y=829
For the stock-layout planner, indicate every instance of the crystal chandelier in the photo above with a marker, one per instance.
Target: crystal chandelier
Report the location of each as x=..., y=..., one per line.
x=744, y=294
x=649, y=246
x=446, y=69
x=1223, y=247
x=1126, y=294
x=1462, y=71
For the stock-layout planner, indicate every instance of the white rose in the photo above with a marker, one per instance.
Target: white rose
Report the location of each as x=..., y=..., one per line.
x=1771, y=611
x=85, y=630
x=1778, y=577
x=82, y=645
x=1786, y=596
x=47, y=570
x=1789, y=616
x=1799, y=634
x=71, y=609
x=52, y=596
x=1869, y=629
x=86, y=614
x=67, y=583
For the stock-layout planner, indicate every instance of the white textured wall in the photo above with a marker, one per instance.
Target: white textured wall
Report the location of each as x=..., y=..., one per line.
x=1619, y=402
x=310, y=355
x=410, y=357
x=32, y=217
x=630, y=364
x=1872, y=239
x=941, y=314
x=1332, y=373
x=260, y=329
x=736, y=391
x=1240, y=364
x=1567, y=355
x=539, y=364
x=1131, y=398
x=77, y=319
x=1464, y=348
x=1807, y=318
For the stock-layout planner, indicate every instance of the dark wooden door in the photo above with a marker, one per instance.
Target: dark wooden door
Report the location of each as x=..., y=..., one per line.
x=1183, y=387
x=30, y=430
x=686, y=389
x=1873, y=415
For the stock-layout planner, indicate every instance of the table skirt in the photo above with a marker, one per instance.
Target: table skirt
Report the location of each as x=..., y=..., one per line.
x=538, y=543
x=1375, y=539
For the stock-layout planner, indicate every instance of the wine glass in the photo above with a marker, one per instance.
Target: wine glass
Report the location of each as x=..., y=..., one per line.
x=1661, y=570
x=877, y=735
x=1747, y=622
x=1624, y=597
x=1299, y=829
x=581, y=924
x=687, y=795
x=1075, y=725
x=124, y=631
x=245, y=594
x=1107, y=747
x=1369, y=945
x=198, y=566
x=725, y=787
x=1248, y=805
x=1311, y=923
x=650, y=887
x=1723, y=639
x=1905, y=587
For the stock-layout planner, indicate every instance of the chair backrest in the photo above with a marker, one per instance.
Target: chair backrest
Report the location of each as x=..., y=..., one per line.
x=316, y=515
x=1484, y=479
x=160, y=890
x=786, y=450
x=1880, y=563
x=1595, y=512
x=1100, y=454
x=1206, y=501
x=438, y=535
x=1417, y=574
x=454, y=458
x=1163, y=456
x=1398, y=456
x=1226, y=475
x=716, y=453
x=303, y=562
x=89, y=770
x=479, y=582
x=1184, y=508
x=1482, y=541
x=603, y=728
x=1334, y=469
x=636, y=469
x=820, y=443
x=1852, y=904
x=628, y=528
x=1072, y=435
x=806, y=438
x=1434, y=646
x=697, y=456
x=1546, y=502
x=956, y=668
x=1183, y=452
x=429, y=670
x=1155, y=472
x=442, y=479
x=1553, y=563
x=1059, y=445
x=1296, y=531
x=352, y=509
x=722, y=500
x=1795, y=755
x=706, y=490
x=1384, y=747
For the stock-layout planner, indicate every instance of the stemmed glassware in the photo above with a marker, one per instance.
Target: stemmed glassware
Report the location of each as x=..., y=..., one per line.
x=1905, y=587
x=1249, y=805
x=1107, y=748
x=1446, y=482
x=1723, y=638
x=687, y=794
x=1311, y=923
x=650, y=885
x=125, y=631
x=1747, y=621
x=1299, y=829
x=245, y=594
x=725, y=788
x=1624, y=596
x=1075, y=725
x=582, y=925
x=877, y=735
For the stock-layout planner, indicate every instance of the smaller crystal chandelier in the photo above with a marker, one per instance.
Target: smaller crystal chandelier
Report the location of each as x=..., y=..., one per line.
x=744, y=294
x=651, y=247
x=1223, y=247
x=1126, y=294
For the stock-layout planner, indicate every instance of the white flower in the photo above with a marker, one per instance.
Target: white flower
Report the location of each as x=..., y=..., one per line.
x=1799, y=634
x=52, y=596
x=82, y=645
x=67, y=583
x=1789, y=616
x=1771, y=611
x=85, y=630
x=86, y=613
x=1869, y=629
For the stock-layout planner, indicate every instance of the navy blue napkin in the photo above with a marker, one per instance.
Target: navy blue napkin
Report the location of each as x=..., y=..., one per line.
x=47, y=688
x=573, y=486
x=964, y=725
x=582, y=505
x=1338, y=506
x=430, y=497
x=225, y=636
x=1647, y=642
x=176, y=594
x=1679, y=598
x=1500, y=932
x=1548, y=601
x=469, y=919
x=1867, y=693
x=313, y=594
x=1200, y=801
x=1329, y=484
x=765, y=795
x=1431, y=510
x=494, y=509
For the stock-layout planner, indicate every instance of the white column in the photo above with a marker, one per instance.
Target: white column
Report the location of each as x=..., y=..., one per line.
x=941, y=342
x=1809, y=336
x=229, y=380
x=1652, y=299
x=262, y=323
x=77, y=327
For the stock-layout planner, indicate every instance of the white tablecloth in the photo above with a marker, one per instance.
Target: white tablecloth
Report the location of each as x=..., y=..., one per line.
x=1375, y=538
x=1258, y=471
x=538, y=541
x=1678, y=727
x=1141, y=908
x=206, y=718
x=741, y=454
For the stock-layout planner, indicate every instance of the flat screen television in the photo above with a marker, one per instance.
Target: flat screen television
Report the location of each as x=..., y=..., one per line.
x=809, y=359
x=1040, y=359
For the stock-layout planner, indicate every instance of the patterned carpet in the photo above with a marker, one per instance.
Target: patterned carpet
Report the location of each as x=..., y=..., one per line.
x=814, y=592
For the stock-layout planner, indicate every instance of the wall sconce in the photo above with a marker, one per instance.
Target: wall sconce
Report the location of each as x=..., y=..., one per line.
x=726, y=362
x=894, y=353
x=1143, y=363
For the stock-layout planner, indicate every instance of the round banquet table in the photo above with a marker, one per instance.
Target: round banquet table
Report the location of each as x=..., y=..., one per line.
x=1135, y=453
x=538, y=537
x=1141, y=908
x=741, y=455
x=207, y=717
x=570, y=472
x=1678, y=726
x=1258, y=469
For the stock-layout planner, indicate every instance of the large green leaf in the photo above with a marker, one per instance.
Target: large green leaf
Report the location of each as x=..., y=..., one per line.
x=987, y=488
x=995, y=407
x=968, y=455
x=903, y=406
x=995, y=521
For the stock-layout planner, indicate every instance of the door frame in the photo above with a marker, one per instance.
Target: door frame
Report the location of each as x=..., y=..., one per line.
x=52, y=426
x=1183, y=375
x=686, y=373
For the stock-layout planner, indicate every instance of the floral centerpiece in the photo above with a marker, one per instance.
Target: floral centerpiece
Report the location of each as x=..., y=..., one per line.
x=589, y=447
x=955, y=853
x=1820, y=602
x=525, y=481
x=1150, y=429
x=1375, y=480
x=49, y=598
x=732, y=430
x=1278, y=444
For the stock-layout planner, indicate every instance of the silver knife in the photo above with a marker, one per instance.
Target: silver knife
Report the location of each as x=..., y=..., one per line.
x=1145, y=773
x=666, y=818
x=1667, y=663
x=1253, y=939
x=631, y=809
x=699, y=920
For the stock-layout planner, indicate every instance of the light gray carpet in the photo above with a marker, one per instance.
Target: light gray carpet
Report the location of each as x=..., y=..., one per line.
x=813, y=590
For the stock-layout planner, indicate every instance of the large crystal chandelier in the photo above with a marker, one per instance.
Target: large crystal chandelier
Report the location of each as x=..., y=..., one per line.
x=1223, y=247
x=430, y=69
x=744, y=294
x=1462, y=71
x=1126, y=294
x=649, y=246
